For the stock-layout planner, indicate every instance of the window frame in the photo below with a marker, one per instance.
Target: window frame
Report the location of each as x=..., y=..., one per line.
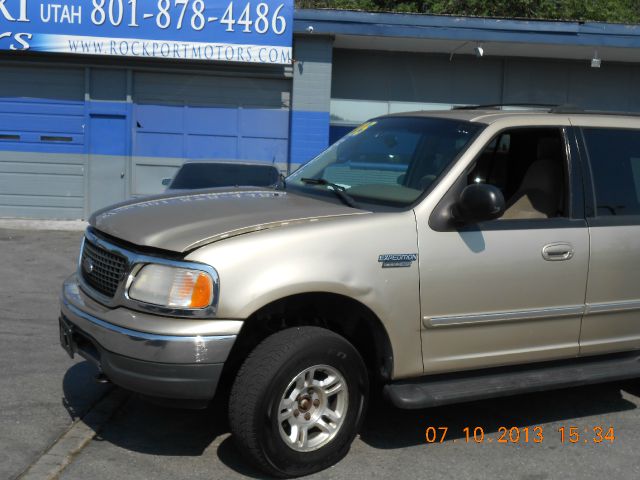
x=591, y=212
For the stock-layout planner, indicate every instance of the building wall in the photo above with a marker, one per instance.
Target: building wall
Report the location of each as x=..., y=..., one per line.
x=367, y=83
x=75, y=138
x=407, y=77
x=312, y=73
x=611, y=87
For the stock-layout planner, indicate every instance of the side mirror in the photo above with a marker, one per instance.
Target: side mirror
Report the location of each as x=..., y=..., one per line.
x=479, y=202
x=166, y=182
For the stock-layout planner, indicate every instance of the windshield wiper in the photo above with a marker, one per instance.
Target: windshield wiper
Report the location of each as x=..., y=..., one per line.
x=339, y=190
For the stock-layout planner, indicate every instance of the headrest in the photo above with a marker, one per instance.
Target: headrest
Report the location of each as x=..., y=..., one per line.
x=544, y=175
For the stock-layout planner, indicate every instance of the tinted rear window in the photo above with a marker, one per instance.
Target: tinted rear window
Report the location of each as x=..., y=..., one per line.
x=209, y=175
x=615, y=165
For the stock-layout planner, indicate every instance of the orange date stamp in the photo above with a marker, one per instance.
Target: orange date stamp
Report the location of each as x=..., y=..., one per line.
x=517, y=435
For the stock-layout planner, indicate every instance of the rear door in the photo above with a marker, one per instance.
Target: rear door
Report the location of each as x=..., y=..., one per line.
x=612, y=319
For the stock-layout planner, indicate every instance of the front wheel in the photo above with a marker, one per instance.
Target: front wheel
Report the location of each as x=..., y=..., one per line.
x=298, y=401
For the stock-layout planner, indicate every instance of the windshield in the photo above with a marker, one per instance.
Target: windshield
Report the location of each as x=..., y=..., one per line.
x=389, y=161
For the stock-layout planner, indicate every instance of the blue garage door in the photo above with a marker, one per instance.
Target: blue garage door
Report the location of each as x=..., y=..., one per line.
x=42, y=161
x=179, y=117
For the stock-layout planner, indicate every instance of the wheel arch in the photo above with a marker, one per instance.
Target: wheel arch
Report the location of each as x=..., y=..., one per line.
x=339, y=313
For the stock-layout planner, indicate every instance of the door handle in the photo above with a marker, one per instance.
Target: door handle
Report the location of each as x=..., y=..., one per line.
x=556, y=252
x=121, y=174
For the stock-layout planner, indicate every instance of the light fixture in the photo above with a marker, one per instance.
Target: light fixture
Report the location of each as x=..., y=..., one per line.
x=596, y=61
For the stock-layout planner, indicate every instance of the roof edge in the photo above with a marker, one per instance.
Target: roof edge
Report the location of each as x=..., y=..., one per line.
x=414, y=25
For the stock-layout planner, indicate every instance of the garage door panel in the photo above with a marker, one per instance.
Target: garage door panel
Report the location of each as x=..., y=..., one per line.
x=150, y=144
x=42, y=142
x=160, y=118
x=41, y=123
x=27, y=82
x=212, y=147
x=263, y=149
x=38, y=107
x=46, y=142
x=264, y=123
x=207, y=90
x=180, y=116
x=43, y=158
x=41, y=168
x=41, y=211
x=212, y=121
x=41, y=200
x=36, y=184
x=259, y=97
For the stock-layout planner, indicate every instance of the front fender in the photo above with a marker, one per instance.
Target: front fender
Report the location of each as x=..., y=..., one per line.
x=338, y=256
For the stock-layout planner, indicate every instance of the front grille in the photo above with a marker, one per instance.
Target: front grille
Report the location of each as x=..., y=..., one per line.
x=101, y=269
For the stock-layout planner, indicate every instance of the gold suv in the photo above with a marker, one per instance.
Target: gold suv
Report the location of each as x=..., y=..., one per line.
x=448, y=256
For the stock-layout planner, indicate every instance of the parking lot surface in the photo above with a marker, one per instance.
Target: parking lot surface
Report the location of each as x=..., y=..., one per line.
x=146, y=441
x=42, y=392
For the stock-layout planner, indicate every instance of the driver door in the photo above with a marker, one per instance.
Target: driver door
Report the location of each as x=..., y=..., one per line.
x=511, y=290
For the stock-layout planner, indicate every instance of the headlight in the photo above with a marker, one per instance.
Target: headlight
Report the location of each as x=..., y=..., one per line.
x=172, y=287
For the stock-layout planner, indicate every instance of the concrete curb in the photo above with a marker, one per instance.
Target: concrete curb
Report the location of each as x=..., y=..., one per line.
x=51, y=464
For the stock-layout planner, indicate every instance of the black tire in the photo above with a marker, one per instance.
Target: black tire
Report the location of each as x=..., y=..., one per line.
x=261, y=383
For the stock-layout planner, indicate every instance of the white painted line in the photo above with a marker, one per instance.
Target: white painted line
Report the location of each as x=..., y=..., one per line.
x=51, y=464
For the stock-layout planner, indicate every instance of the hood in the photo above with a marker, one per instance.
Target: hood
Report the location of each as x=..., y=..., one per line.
x=182, y=222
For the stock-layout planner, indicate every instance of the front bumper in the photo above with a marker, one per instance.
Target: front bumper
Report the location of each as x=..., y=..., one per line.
x=160, y=364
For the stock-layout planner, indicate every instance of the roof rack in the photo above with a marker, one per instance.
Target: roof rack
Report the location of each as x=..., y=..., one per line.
x=566, y=109
x=501, y=106
x=573, y=109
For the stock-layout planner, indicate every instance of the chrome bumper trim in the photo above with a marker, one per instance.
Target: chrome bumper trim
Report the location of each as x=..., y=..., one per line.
x=140, y=336
x=149, y=346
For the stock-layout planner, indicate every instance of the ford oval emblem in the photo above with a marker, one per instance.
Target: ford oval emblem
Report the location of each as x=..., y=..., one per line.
x=87, y=263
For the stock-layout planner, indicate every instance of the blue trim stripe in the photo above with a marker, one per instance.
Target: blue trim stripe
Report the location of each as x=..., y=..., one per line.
x=160, y=131
x=41, y=125
x=467, y=28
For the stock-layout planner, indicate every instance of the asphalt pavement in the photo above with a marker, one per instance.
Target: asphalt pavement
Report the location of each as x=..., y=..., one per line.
x=42, y=392
x=145, y=441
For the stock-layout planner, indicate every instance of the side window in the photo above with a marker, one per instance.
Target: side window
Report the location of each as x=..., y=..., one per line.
x=615, y=165
x=528, y=165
